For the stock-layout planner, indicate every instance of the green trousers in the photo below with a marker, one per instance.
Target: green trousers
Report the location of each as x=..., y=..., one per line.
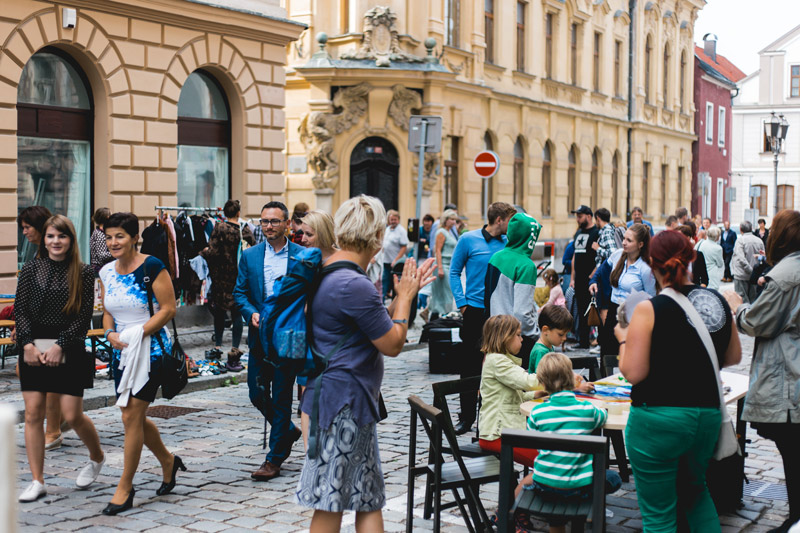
x=669, y=449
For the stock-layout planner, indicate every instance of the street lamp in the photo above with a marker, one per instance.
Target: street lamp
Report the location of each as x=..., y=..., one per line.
x=775, y=129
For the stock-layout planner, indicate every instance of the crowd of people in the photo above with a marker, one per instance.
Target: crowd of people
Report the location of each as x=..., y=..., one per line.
x=510, y=333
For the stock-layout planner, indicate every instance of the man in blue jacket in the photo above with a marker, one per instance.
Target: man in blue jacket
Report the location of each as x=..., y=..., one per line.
x=270, y=385
x=473, y=251
x=728, y=243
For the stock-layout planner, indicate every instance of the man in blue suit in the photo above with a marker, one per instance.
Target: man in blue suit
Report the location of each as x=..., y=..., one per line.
x=270, y=384
x=728, y=242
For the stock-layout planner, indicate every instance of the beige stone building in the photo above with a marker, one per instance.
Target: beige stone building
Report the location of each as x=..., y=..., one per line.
x=544, y=83
x=135, y=104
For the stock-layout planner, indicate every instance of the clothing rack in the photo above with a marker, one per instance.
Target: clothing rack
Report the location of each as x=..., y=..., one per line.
x=195, y=209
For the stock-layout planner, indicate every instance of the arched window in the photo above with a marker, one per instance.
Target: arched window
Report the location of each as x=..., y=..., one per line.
x=648, y=53
x=487, y=188
x=572, y=172
x=615, y=183
x=204, y=142
x=547, y=158
x=665, y=88
x=683, y=82
x=596, y=179
x=54, y=143
x=519, y=172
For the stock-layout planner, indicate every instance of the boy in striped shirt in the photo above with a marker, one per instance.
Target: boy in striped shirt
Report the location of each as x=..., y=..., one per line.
x=564, y=474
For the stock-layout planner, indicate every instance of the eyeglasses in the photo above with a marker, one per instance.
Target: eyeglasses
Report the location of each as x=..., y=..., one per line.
x=272, y=221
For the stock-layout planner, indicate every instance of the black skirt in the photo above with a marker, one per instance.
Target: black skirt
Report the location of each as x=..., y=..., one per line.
x=71, y=378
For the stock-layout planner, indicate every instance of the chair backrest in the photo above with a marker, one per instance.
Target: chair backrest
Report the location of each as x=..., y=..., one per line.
x=443, y=389
x=537, y=440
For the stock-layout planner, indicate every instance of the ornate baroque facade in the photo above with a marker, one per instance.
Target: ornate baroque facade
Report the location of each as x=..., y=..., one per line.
x=544, y=83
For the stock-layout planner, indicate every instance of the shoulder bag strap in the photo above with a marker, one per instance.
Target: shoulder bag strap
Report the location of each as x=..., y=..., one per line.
x=148, y=283
x=702, y=331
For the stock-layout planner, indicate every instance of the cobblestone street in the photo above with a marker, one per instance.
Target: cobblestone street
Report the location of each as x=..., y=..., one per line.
x=221, y=445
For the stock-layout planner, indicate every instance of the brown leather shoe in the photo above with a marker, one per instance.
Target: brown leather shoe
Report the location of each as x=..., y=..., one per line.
x=266, y=472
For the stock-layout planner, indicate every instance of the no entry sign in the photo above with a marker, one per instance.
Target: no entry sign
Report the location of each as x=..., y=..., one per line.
x=486, y=164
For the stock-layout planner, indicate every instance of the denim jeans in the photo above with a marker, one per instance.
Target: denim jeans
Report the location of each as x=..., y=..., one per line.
x=271, y=389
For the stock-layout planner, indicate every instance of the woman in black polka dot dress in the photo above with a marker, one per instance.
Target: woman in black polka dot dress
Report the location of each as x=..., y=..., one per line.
x=53, y=308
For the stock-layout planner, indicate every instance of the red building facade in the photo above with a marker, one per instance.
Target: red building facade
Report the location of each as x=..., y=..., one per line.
x=714, y=84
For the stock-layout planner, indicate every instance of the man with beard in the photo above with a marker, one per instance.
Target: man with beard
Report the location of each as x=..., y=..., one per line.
x=270, y=384
x=583, y=265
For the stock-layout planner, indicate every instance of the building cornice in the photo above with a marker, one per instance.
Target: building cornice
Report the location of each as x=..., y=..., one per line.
x=200, y=17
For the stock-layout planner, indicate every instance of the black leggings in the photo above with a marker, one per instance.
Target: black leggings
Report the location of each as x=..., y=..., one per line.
x=786, y=437
x=219, y=326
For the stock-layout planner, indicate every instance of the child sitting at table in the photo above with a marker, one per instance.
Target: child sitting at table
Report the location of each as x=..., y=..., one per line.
x=554, y=323
x=504, y=385
x=561, y=475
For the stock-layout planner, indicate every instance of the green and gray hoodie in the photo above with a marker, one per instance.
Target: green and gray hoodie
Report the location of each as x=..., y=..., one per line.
x=511, y=275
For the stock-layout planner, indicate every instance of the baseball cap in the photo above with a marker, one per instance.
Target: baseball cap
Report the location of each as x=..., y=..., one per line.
x=582, y=210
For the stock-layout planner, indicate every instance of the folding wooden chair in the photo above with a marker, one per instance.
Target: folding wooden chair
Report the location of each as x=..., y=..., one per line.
x=463, y=477
x=531, y=503
x=441, y=391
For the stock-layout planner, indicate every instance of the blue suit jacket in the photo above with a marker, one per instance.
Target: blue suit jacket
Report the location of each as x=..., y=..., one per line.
x=249, y=290
x=729, y=243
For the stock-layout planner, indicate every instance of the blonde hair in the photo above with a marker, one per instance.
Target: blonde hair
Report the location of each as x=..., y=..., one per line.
x=498, y=332
x=392, y=213
x=322, y=223
x=74, y=280
x=359, y=224
x=448, y=213
x=554, y=372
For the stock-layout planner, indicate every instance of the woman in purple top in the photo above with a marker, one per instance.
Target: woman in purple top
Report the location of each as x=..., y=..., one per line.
x=343, y=472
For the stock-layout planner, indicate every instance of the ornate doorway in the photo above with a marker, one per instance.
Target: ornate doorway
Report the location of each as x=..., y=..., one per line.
x=374, y=168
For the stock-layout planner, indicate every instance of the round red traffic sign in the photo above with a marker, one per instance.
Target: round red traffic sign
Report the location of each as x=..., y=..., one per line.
x=486, y=164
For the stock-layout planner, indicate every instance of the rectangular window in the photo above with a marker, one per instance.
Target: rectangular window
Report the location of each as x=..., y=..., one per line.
x=721, y=127
x=761, y=201
x=720, y=197
x=785, y=197
x=795, y=83
x=548, y=46
x=618, y=69
x=681, y=185
x=645, y=191
x=573, y=54
x=664, y=170
x=596, y=62
x=709, y=123
x=706, y=189
x=451, y=169
x=488, y=22
x=521, y=36
x=452, y=15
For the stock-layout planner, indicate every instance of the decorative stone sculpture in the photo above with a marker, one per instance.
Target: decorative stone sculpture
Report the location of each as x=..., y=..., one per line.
x=318, y=129
x=404, y=101
x=380, y=41
x=430, y=173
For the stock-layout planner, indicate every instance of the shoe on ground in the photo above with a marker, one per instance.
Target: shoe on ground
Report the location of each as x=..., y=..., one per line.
x=54, y=444
x=214, y=354
x=296, y=435
x=463, y=428
x=266, y=472
x=89, y=473
x=595, y=350
x=34, y=491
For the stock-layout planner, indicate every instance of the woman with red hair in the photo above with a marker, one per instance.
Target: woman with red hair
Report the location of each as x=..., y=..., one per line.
x=671, y=434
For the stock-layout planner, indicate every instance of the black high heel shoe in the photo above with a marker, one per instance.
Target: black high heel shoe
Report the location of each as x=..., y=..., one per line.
x=166, y=488
x=113, y=508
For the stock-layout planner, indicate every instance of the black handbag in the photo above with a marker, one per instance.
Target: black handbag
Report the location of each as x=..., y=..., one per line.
x=174, y=370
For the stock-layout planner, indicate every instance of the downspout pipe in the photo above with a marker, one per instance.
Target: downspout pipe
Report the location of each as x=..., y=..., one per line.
x=631, y=45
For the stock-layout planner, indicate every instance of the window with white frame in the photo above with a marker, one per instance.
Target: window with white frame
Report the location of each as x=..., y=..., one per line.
x=706, y=193
x=709, y=123
x=721, y=127
x=720, y=197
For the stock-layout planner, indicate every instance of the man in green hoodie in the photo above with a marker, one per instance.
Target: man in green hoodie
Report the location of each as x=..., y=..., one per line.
x=511, y=280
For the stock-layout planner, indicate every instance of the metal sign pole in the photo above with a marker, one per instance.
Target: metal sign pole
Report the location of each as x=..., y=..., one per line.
x=420, y=172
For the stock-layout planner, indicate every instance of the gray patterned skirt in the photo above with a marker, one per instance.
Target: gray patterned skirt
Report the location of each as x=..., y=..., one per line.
x=346, y=475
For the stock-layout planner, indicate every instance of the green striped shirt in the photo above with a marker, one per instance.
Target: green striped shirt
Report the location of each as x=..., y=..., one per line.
x=566, y=415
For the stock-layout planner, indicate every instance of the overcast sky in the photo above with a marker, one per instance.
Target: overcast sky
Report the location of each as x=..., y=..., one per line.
x=746, y=26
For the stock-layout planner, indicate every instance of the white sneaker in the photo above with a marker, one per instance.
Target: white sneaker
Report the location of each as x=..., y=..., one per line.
x=609, y=513
x=34, y=491
x=89, y=473
x=594, y=350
